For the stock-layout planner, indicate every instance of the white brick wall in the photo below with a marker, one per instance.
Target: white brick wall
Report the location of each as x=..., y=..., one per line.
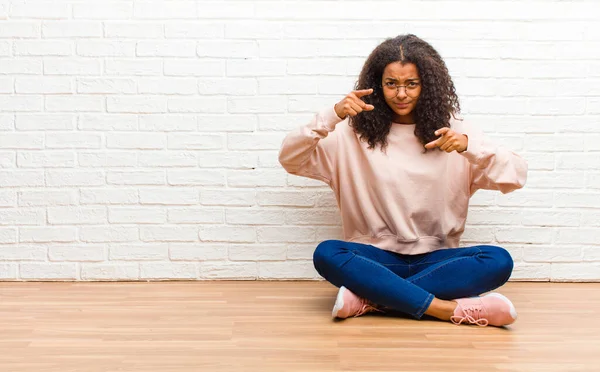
x=138, y=139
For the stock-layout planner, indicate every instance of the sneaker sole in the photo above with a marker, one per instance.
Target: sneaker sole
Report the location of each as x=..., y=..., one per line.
x=339, y=302
x=513, y=311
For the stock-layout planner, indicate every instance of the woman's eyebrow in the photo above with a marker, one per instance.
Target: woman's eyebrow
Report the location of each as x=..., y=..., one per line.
x=393, y=79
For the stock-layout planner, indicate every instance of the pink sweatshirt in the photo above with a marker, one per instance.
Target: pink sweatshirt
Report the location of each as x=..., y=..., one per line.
x=403, y=200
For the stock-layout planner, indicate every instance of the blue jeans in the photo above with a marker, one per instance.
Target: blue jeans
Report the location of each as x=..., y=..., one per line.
x=408, y=283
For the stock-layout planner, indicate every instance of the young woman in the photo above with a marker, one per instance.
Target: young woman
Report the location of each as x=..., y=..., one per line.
x=403, y=169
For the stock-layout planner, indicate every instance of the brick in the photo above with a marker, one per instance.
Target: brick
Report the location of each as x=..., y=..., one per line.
x=168, y=123
x=105, y=86
x=20, y=29
x=287, y=198
x=74, y=103
x=194, y=30
x=254, y=141
x=136, y=178
x=106, y=10
x=77, y=215
x=312, y=217
x=256, y=178
x=169, y=233
x=255, y=68
x=23, y=252
x=71, y=66
x=227, y=49
x=77, y=252
x=8, y=271
x=8, y=235
x=229, y=197
x=256, y=105
x=274, y=252
x=287, y=270
x=8, y=159
x=196, y=215
x=166, y=49
x=46, y=159
x=70, y=29
x=49, y=271
x=168, y=270
x=21, y=103
x=165, y=10
x=137, y=104
x=39, y=9
x=227, y=123
x=287, y=122
x=169, y=196
x=110, y=271
x=42, y=85
x=195, y=141
x=233, y=234
x=182, y=67
x=577, y=199
x=133, y=141
x=171, y=86
x=196, y=177
x=73, y=140
x=195, y=252
x=109, y=196
x=8, y=198
x=47, y=234
x=100, y=234
x=229, y=270
x=74, y=178
x=43, y=48
x=577, y=236
x=531, y=272
x=575, y=272
x=22, y=216
x=46, y=197
x=247, y=216
x=35, y=122
x=230, y=159
x=212, y=105
x=21, y=178
x=22, y=141
x=138, y=252
x=283, y=234
x=134, y=30
x=135, y=67
x=300, y=251
x=228, y=86
x=167, y=159
x=107, y=122
x=552, y=254
x=253, y=30
x=136, y=215
x=104, y=159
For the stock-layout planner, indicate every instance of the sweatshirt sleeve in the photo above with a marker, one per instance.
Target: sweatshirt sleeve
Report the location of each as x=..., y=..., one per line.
x=310, y=150
x=492, y=167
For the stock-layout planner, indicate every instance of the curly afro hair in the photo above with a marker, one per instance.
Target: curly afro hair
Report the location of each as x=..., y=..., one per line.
x=437, y=102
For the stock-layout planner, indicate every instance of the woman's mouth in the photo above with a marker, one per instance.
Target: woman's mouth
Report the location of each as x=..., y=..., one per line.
x=401, y=105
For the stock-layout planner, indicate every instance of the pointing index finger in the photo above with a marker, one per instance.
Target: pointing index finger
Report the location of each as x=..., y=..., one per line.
x=363, y=92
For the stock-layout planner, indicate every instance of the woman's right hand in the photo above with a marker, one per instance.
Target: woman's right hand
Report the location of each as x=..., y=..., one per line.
x=352, y=105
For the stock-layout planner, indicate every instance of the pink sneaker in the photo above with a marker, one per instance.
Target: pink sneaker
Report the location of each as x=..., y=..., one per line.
x=348, y=304
x=491, y=309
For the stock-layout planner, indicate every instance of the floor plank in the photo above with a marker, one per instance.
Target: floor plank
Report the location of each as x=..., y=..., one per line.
x=280, y=326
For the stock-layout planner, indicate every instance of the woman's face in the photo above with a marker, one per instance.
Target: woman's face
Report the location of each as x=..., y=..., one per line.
x=401, y=90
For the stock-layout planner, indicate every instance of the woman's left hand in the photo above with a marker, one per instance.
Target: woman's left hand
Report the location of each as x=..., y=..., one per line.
x=449, y=141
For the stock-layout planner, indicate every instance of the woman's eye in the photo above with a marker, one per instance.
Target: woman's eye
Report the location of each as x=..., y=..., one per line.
x=389, y=84
x=412, y=84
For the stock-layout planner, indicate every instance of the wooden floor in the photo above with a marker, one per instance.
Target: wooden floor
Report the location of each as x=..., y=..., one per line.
x=280, y=326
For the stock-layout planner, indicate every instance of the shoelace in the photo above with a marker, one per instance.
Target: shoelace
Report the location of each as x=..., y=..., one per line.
x=473, y=315
x=365, y=308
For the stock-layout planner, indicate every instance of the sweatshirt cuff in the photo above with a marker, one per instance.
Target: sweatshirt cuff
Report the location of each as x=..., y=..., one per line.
x=473, y=151
x=330, y=118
